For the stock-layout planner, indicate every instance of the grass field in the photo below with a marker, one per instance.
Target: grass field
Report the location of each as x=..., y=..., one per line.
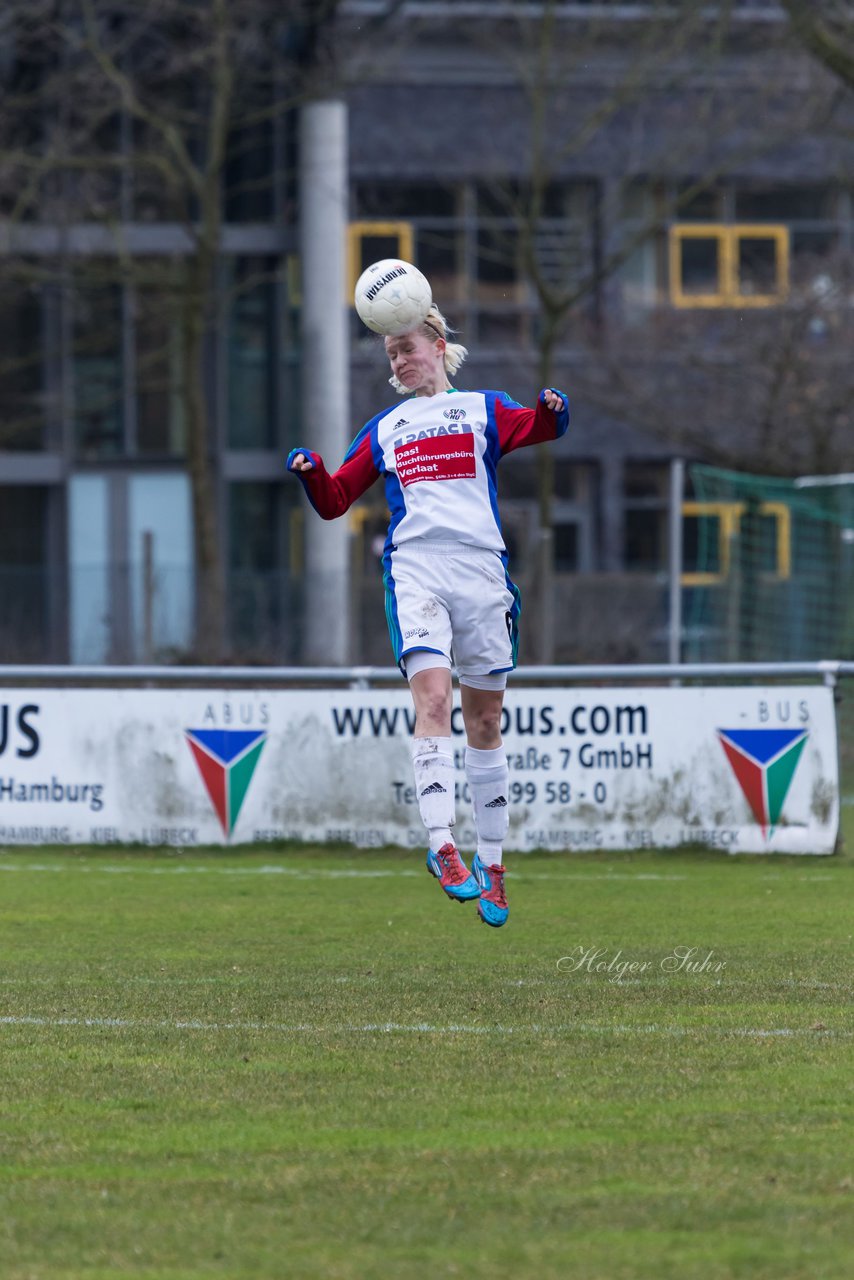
x=309, y=1064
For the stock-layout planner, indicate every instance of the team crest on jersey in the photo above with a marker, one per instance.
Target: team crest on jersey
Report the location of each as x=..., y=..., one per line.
x=454, y=415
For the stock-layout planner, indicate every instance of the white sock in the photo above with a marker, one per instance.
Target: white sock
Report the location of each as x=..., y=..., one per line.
x=488, y=777
x=433, y=766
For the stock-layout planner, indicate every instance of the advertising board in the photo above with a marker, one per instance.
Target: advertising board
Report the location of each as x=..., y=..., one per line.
x=742, y=770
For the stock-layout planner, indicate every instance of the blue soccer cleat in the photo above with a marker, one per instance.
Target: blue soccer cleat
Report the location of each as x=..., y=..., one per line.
x=492, y=908
x=451, y=872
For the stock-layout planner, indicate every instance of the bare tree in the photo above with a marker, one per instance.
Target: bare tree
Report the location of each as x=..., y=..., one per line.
x=768, y=390
x=756, y=388
x=825, y=28
x=604, y=87
x=120, y=113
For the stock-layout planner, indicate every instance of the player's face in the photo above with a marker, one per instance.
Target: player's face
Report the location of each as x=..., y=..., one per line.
x=417, y=362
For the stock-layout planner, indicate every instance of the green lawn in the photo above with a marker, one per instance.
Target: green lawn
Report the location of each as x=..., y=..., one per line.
x=295, y=1063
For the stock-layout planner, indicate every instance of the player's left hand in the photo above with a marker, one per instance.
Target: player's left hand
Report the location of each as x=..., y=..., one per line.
x=554, y=400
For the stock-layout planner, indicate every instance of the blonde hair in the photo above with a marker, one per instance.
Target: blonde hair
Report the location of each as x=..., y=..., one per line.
x=436, y=326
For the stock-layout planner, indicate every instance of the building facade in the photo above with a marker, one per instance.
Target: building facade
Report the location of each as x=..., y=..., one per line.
x=629, y=207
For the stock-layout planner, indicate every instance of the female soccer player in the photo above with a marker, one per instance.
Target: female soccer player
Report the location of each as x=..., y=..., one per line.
x=448, y=594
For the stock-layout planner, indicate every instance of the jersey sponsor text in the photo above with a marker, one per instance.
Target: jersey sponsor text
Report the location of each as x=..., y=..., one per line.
x=436, y=458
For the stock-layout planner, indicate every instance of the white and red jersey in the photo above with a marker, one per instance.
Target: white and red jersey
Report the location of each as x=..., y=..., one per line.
x=438, y=456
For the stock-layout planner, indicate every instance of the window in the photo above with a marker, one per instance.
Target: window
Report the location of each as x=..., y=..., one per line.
x=89, y=606
x=160, y=192
x=466, y=238
x=379, y=201
x=252, y=354
x=247, y=179
x=783, y=204
x=714, y=265
x=93, y=191
x=813, y=214
x=646, y=499
x=640, y=276
x=704, y=205
x=714, y=531
x=21, y=361
x=372, y=241
x=561, y=222
x=130, y=566
x=160, y=565
x=98, y=368
x=566, y=548
x=24, y=578
x=260, y=602
x=160, y=427
x=574, y=506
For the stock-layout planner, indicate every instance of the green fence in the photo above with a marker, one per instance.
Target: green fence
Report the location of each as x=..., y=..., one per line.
x=769, y=568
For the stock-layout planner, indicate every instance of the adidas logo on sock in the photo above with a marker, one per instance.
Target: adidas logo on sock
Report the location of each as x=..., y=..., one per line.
x=434, y=789
x=500, y=802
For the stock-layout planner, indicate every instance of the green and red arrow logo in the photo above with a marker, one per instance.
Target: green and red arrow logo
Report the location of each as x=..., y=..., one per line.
x=764, y=762
x=226, y=759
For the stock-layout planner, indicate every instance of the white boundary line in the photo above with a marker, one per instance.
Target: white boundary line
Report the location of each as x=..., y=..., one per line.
x=418, y=1028
x=240, y=980
x=354, y=873
x=319, y=873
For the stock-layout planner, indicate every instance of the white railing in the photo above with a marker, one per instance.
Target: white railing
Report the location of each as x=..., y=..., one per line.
x=828, y=671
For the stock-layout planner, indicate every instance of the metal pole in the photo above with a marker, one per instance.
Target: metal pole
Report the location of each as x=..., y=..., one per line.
x=677, y=491
x=147, y=596
x=325, y=366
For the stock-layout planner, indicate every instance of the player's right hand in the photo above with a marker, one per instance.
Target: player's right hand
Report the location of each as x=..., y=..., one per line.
x=298, y=460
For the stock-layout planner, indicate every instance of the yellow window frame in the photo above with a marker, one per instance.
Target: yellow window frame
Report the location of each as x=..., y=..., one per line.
x=728, y=292
x=359, y=231
x=729, y=519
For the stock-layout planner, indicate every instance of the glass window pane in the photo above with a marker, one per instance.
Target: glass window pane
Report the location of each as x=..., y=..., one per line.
x=159, y=195
x=23, y=572
x=88, y=569
x=497, y=264
x=92, y=191
x=389, y=200
x=160, y=558
x=755, y=548
x=248, y=174
x=32, y=49
x=21, y=359
x=571, y=479
x=252, y=348
x=160, y=425
x=253, y=542
x=645, y=539
x=375, y=247
x=566, y=542
x=809, y=247
x=439, y=254
x=97, y=368
x=703, y=206
x=700, y=258
x=640, y=277
x=261, y=606
x=701, y=543
x=784, y=204
x=757, y=265
x=639, y=200
x=646, y=480
x=498, y=199
x=163, y=191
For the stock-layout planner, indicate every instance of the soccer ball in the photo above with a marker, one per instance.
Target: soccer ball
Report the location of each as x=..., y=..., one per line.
x=392, y=297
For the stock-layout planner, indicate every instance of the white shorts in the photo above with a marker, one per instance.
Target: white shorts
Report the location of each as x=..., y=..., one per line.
x=455, y=600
